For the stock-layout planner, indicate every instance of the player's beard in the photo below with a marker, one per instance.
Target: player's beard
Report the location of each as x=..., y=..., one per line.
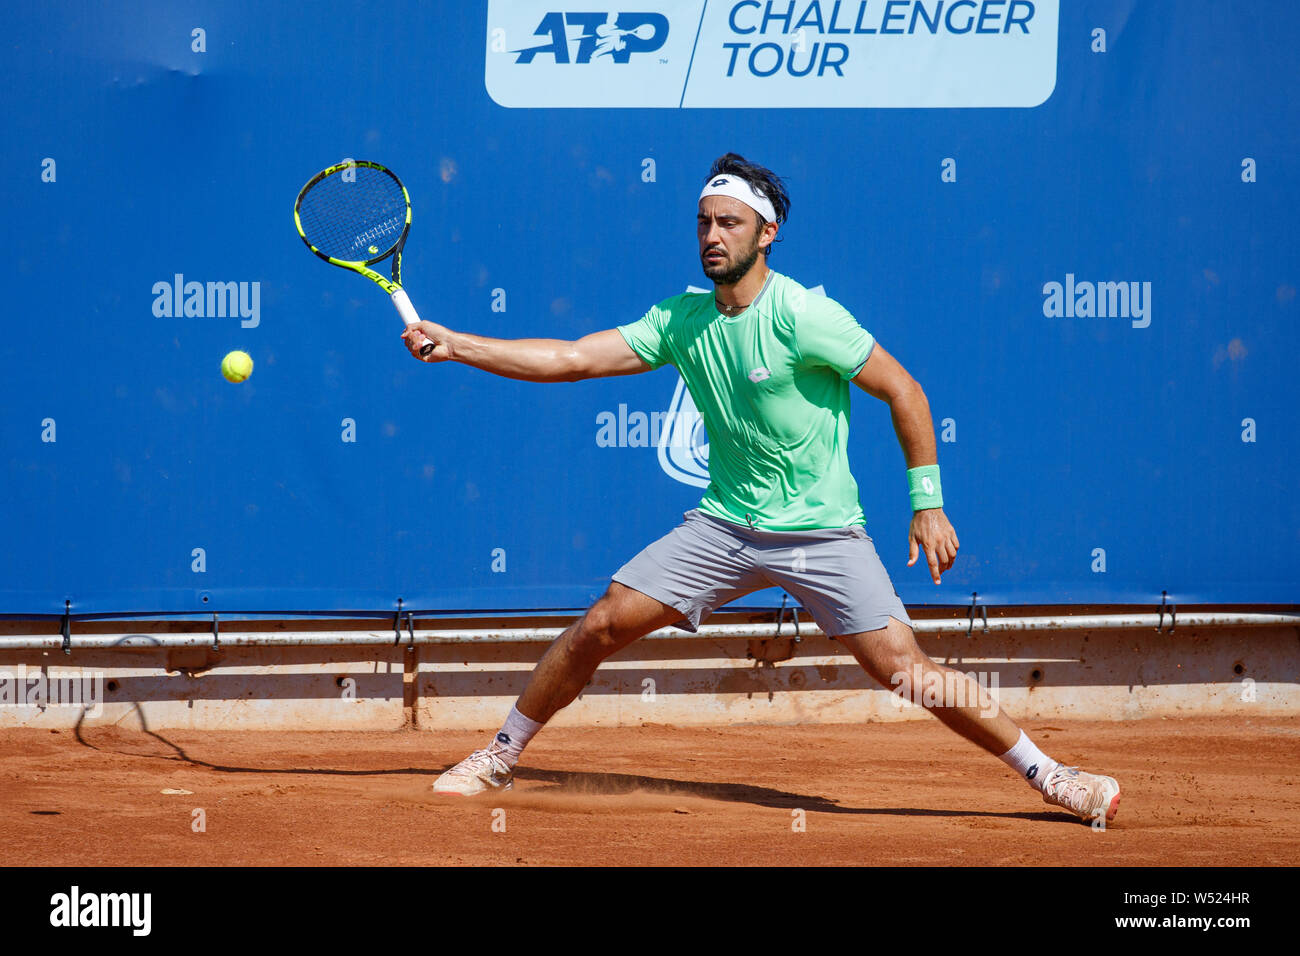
x=725, y=274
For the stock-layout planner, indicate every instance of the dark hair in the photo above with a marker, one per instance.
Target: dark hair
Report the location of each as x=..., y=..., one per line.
x=764, y=181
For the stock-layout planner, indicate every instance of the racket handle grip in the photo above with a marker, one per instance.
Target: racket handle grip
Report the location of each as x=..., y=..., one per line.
x=407, y=311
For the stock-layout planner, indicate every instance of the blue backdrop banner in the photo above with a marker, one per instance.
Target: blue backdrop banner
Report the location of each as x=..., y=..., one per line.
x=1072, y=223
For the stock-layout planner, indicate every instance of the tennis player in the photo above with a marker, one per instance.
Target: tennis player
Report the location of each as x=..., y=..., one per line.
x=768, y=364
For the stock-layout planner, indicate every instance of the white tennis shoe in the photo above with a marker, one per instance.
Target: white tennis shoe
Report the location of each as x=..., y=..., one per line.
x=1088, y=795
x=481, y=771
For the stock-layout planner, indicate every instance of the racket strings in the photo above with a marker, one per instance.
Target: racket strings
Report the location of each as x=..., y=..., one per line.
x=354, y=220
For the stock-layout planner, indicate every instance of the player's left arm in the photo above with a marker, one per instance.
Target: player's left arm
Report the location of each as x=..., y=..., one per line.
x=884, y=378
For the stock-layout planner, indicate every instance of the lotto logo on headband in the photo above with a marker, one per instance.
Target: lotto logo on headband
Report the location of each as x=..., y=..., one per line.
x=737, y=188
x=789, y=54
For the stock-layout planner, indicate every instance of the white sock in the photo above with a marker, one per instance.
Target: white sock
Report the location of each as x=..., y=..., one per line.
x=1027, y=760
x=515, y=733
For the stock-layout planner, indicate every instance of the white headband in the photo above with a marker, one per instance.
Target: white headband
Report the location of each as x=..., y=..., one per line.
x=737, y=188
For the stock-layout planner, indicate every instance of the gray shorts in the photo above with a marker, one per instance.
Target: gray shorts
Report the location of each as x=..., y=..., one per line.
x=706, y=562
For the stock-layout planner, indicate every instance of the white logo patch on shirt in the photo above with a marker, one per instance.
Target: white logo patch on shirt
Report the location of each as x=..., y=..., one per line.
x=759, y=374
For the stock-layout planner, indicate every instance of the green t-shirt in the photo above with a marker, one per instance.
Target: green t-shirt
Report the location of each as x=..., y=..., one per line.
x=772, y=386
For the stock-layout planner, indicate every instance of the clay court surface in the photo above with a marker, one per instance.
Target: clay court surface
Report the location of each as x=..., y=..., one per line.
x=1196, y=792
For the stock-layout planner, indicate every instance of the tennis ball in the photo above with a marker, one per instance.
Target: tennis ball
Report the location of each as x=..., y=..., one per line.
x=237, y=366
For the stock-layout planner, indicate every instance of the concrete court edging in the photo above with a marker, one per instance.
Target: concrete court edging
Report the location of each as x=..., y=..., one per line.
x=1094, y=674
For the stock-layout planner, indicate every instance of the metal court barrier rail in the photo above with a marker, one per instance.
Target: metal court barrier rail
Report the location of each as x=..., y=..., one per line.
x=1167, y=623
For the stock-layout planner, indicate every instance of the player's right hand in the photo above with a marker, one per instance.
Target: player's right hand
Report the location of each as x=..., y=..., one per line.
x=416, y=336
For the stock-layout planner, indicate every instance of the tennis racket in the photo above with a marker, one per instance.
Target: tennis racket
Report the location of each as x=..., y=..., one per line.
x=355, y=215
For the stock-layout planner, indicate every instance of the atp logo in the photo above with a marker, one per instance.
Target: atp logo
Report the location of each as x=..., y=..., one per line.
x=770, y=54
x=615, y=36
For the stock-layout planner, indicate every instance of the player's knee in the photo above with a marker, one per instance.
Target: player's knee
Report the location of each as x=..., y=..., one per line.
x=594, y=636
x=891, y=665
